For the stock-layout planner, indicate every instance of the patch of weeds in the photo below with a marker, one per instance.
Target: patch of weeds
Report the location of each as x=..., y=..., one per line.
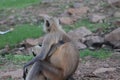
x=17, y=3
x=60, y=10
x=21, y=58
x=9, y=57
x=9, y=79
x=20, y=33
x=67, y=28
x=89, y=25
x=100, y=54
x=71, y=4
x=103, y=4
x=18, y=59
x=86, y=23
x=1, y=60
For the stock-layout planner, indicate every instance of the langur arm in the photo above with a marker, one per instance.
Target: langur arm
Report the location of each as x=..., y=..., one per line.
x=47, y=43
x=44, y=51
x=44, y=54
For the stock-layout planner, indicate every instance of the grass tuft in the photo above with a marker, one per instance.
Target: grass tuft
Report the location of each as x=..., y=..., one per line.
x=86, y=23
x=20, y=33
x=17, y=3
x=100, y=54
x=18, y=59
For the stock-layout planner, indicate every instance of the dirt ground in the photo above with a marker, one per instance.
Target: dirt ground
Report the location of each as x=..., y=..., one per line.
x=86, y=69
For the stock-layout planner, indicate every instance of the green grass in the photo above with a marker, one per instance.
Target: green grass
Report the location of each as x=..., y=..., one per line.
x=16, y=3
x=10, y=79
x=20, y=33
x=86, y=23
x=18, y=59
x=100, y=54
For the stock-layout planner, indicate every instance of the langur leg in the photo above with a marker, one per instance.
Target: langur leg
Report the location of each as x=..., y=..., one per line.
x=51, y=72
x=35, y=73
x=70, y=78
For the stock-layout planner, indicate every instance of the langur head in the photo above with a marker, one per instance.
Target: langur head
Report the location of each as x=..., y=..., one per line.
x=51, y=24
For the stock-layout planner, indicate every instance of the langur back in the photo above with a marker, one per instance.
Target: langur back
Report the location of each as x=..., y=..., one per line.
x=66, y=58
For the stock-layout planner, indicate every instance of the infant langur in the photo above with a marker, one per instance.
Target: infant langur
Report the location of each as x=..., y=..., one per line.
x=58, y=58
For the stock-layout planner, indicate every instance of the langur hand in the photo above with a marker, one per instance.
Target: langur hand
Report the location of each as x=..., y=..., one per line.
x=25, y=71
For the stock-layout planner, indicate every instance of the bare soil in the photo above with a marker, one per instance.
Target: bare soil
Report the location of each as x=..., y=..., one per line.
x=85, y=70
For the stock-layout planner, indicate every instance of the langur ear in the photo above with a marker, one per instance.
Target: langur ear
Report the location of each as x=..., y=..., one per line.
x=47, y=23
x=59, y=21
x=46, y=19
